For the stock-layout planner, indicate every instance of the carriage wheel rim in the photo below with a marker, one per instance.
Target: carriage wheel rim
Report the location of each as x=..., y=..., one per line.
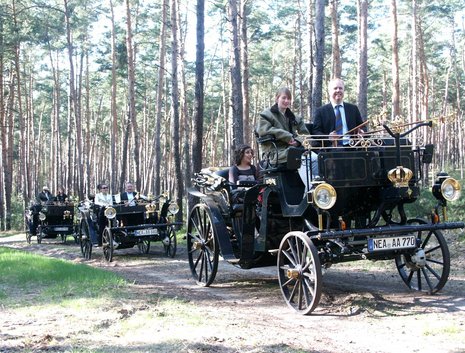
x=299, y=273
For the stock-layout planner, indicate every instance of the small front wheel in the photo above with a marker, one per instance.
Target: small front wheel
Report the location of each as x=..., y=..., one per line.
x=84, y=241
x=107, y=244
x=170, y=242
x=202, y=245
x=40, y=234
x=299, y=272
x=144, y=246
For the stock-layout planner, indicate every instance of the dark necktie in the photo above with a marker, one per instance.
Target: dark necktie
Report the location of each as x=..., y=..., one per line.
x=338, y=126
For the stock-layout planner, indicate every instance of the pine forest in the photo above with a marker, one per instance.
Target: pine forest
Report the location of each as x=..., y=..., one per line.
x=153, y=91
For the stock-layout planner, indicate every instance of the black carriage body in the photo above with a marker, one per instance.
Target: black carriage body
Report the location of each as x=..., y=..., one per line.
x=133, y=224
x=59, y=220
x=139, y=225
x=354, y=210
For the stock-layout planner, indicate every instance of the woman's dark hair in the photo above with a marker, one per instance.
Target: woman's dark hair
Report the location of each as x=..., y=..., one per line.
x=239, y=153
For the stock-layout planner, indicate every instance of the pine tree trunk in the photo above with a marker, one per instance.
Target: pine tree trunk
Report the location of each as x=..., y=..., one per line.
x=113, y=108
x=336, y=53
x=319, y=54
x=395, y=63
x=248, y=127
x=362, y=77
x=236, y=77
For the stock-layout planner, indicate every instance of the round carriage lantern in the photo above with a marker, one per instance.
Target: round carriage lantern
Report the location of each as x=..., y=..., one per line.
x=110, y=212
x=42, y=216
x=173, y=208
x=451, y=189
x=324, y=196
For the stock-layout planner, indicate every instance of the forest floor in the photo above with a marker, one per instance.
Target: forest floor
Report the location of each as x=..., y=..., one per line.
x=365, y=307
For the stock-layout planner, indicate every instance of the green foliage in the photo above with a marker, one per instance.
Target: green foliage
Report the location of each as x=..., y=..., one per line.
x=47, y=279
x=17, y=213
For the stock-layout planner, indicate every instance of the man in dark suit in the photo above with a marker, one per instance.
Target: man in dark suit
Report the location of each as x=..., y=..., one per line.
x=336, y=118
x=129, y=195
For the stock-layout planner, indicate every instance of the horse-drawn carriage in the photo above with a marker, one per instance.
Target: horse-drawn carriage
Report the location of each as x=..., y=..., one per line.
x=49, y=220
x=125, y=226
x=354, y=210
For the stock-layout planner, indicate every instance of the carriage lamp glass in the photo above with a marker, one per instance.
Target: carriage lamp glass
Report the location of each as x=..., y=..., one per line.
x=44, y=209
x=110, y=212
x=324, y=196
x=451, y=189
x=173, y=208
x=42, y=216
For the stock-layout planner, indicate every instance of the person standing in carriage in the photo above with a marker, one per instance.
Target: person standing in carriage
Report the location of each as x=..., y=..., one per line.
x=336, y=119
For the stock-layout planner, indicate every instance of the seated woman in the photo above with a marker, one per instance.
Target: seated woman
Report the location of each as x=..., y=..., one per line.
x=243, y=169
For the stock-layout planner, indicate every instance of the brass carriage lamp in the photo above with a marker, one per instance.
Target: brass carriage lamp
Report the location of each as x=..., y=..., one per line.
x=446, y=189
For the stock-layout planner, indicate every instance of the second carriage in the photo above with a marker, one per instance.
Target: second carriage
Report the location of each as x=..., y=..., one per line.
x=140, y=224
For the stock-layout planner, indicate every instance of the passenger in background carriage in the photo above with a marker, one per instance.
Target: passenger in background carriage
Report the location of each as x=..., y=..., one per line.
x=336, y=118
x=243, y=169
x=102, y=199
x=45, y=195
x=129, y=196
x=61, y=196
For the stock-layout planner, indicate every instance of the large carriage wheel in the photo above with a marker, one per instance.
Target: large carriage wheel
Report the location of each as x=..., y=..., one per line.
x=144, y=246
x=107, y=244
x=170, y=242
x=28, y=236
x=40, y=234
x=299, y=272
x=427, y=270
x=84, y=240
x=202, y=245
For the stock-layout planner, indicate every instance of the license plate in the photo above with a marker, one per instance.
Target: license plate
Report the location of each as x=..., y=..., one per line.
x=391, y=243
x=61, y=229
x=143, y=232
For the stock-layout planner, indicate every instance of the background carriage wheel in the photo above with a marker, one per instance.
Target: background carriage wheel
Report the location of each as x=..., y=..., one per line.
x=144, y=246
x=39, y=234
x=299, y=272
x=107, y=244
x=84, y=240
x=202, y=245
x=427, y=270
x=28, y=234
x=63, y=238
x=171, y=247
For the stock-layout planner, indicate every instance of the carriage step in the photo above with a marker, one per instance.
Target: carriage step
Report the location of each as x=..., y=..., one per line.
x=273, y=251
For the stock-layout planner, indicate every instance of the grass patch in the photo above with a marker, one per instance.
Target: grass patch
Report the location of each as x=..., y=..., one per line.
x=27, y=276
